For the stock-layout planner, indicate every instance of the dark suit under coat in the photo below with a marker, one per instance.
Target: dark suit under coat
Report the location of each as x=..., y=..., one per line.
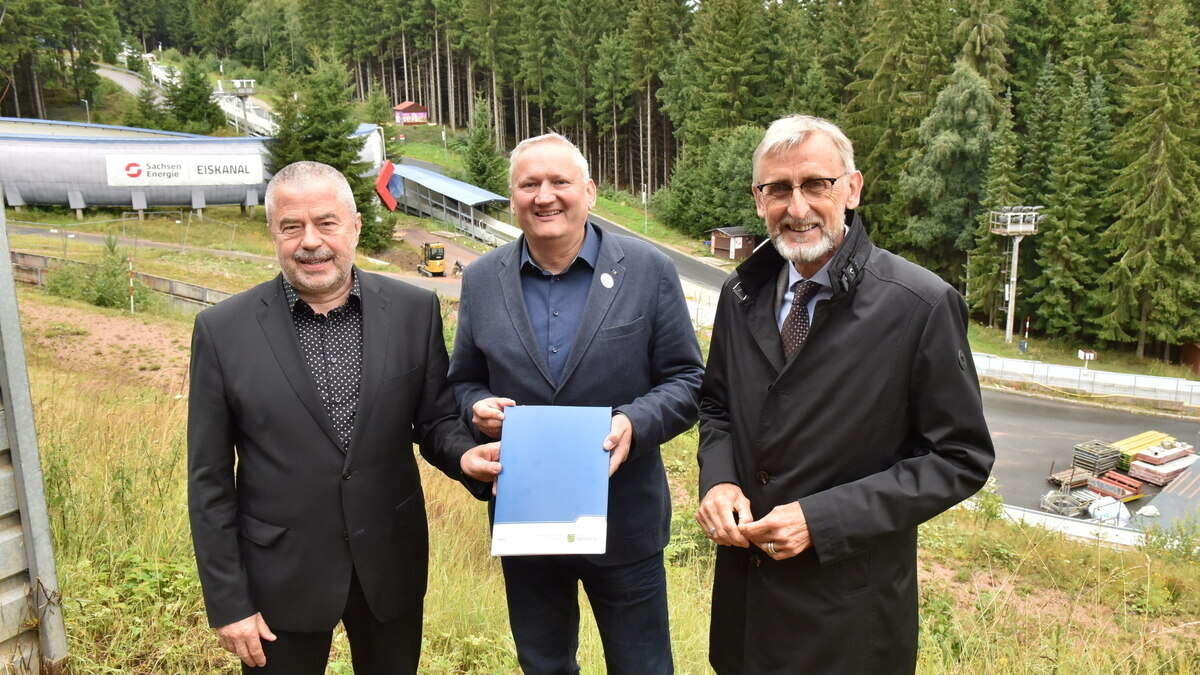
x=635, y=351
x=874, y=425
x=281, y=534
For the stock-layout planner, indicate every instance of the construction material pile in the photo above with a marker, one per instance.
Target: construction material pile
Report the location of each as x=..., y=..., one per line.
x=1161, y=464
x=1096, y=457
x=1096, y=475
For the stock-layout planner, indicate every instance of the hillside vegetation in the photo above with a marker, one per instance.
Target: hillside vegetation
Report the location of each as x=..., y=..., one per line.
x=110, y=396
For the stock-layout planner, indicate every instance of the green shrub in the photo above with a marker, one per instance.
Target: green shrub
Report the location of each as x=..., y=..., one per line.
x=105, y=284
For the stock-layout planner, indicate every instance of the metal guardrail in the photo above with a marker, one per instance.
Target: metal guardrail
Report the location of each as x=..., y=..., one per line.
x=1089, y=381
x=32, y=268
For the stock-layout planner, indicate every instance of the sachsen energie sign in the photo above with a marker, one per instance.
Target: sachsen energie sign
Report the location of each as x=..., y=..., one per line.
x=158, y=169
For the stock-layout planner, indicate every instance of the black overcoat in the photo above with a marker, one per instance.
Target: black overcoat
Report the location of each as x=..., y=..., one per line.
x=875, y=425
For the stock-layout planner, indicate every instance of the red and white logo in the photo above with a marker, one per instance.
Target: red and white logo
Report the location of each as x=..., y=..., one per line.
x=133, y=170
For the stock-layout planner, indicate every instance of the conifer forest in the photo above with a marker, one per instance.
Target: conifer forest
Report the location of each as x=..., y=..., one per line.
x=1088, y=108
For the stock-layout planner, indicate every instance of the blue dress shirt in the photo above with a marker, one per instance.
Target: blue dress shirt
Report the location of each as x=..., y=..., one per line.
x=555, y=302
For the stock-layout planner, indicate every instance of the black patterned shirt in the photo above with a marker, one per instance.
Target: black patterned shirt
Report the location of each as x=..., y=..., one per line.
x=332, y=348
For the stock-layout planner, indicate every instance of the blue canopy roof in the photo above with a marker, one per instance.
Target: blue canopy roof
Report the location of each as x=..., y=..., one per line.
x=454, y=189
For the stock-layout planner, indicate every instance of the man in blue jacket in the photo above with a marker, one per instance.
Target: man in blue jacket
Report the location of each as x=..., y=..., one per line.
x=571, y=315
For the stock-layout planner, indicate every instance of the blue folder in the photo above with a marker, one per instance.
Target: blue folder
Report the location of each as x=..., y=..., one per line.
x=552, y=493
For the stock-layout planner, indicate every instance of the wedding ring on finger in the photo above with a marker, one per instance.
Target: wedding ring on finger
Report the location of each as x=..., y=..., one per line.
x=771, y=547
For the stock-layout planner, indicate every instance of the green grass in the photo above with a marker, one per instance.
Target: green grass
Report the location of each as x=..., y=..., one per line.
x=626, y=210
x=430, y=152
x=110, y=107
x=991, y=341
x=995, y=598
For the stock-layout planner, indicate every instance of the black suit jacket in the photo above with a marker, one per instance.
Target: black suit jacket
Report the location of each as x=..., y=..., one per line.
x=635, y=351
x=280, y=514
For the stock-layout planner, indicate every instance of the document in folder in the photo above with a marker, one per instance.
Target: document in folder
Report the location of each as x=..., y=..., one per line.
x=552, y=493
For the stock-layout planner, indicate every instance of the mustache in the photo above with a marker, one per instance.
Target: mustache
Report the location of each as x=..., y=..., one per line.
x=792, y=222
x=320, y=255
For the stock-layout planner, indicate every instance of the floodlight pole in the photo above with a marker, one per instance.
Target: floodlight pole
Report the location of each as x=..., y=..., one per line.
x=1012, y=289
x=1015, y=222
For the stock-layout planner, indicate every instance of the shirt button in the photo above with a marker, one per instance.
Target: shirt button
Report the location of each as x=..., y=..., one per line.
x=555, y=312
x=554, y=350
x=764, y=477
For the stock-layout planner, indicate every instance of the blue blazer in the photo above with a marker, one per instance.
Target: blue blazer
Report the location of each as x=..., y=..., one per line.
x=635, y=351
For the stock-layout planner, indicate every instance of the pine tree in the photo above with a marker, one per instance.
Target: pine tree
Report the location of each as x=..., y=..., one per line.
x=710, y=185
x=1041, y=130
x=613, y=88
x=147, y=114
x=484, y=164
x=190, y=101
x=982, y=34
x=944, y=182
x=901, y=77
x=1153, y=289
x=285, y=147
x=1062, y=292
x=987, y=262
x=324, y=124
x=724, y=75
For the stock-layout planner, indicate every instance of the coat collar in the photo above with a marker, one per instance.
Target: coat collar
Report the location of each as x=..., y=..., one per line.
x=760, y=270
x=753, y=284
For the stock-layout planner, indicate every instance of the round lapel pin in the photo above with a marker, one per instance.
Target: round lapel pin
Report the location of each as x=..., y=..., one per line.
x=606, y=280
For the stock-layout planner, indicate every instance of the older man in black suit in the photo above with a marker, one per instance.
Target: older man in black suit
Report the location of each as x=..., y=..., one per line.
x=307, y=393
x=571, y=315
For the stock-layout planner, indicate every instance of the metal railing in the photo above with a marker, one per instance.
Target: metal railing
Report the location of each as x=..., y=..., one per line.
x=1097, y=383
x=32, y=268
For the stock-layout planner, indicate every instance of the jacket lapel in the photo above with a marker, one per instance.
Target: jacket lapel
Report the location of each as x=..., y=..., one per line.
x=514, y=301
x=600, y=298
x=376, y=331
x=276, y=320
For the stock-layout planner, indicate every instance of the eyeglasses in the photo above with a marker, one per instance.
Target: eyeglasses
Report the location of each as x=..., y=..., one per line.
x=813, y=189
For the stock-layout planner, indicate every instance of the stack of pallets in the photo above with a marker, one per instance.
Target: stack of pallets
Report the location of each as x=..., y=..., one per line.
x=1096, y=457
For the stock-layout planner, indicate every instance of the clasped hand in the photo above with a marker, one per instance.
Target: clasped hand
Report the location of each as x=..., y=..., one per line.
x=727, y=519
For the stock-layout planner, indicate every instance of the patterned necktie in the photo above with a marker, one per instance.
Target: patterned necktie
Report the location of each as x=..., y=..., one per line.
x=795, y=326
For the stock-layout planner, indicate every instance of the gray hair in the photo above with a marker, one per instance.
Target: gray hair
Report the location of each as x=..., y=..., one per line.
x=788, y=132
x=303, y=172
x=576, y=156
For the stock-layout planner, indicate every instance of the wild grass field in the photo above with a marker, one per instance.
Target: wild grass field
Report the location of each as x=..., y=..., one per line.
x=110, y=397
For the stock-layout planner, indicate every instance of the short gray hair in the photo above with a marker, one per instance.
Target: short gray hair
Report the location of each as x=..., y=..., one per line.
x=304, y=171
x=788, y=132
x=576, y=156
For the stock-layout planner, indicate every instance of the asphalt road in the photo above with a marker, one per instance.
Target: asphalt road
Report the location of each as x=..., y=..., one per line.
x=688, y=267
x=130, y=83
x=1030, y=434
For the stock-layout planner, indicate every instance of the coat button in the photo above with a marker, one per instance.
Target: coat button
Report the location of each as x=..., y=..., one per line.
x=347, y=475
x=764, y=477
x=757, y=561
x=345, y=536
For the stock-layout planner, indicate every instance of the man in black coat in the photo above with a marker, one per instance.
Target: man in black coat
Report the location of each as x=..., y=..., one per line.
x=840, y=410
x=307, y=393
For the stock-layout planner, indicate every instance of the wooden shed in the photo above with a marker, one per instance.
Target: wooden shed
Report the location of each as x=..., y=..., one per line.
x=1189, y=355
x=411, y=112
x=734, y=243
